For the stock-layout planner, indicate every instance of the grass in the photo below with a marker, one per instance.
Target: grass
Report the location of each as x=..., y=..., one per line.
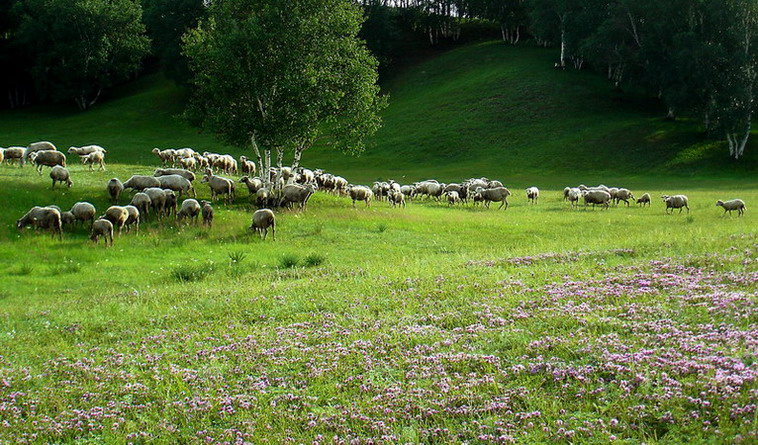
x=539, y=324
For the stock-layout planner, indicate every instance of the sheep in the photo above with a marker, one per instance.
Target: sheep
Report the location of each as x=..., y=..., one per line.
x=176, y=183
x=219, y=186
x=2, y=155
x=408, y=191
x=115, y=188
x=360, y=193
x=37, y=146
x=142, y=202
x=61, y=174
x=185, y=152
x=186, y=174
x=85, y=150
x=190, y=209
x=379, y=189
x=169, y=208
x=140, y=182
x=623, y=194
x=734, y=204
x=305, y=176
x=166, y=156
x=296, y=194
x=566, y=191
x=14, y=154
x=83, y=211
x=47, y=158
x=452, y=197
x=497, y=194
x=676, y=202
x=597, y=197
x=340, y=185
x=253, y=184
x=644, y=199
x=96, y=157
x=157, y=199
x=133, y=218
x=43, y=218
x=117, y=215
x=396, y=198
x=263, y=197
x=207, y=210
x=573, y=196
x=67, y=219
x=247, y=166
x=262, y=220
x=188, y=163
x=532, y=194
x=102, y=228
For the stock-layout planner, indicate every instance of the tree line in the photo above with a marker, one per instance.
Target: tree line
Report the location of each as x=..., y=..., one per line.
x=699, y=57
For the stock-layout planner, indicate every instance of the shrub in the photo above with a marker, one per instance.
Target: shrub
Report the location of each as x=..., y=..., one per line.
x=288, y=261
x=314, y=260
x=192, y=272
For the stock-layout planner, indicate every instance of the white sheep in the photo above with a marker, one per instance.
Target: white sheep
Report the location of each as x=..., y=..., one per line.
x=94, y=158
x=396, y=198
x=47, y=158
x=497, y=194
x=623, y=194
x=83, y=211
x=85, y=150
x=102, y=228
x=532, y=194
x=37, y=146
x=247, y=166
x=166, y=156
x=207, y=213
x=176, y=183
x=169, y=208
x=115, y=188
x=117, y=215
x=190, y=209
x=731, y=205
x=262, y=220
x=61, y=174
x=452, y=197
x=253, y=184
x=14, y=154
x=676, y=202
x=644, y=199
x=219, y=186
x=157, y=199
x=142, y=202
x=141, y=182
x=133, y=218
x=573, y=196
x=597, y=197
x=360, y=193
x=188, y=175
x=43, y=218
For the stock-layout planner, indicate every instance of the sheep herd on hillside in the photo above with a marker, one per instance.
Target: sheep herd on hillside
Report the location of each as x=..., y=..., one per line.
x=283, y=187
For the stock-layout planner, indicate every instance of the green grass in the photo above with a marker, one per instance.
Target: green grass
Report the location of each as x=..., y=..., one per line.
x=413, y=324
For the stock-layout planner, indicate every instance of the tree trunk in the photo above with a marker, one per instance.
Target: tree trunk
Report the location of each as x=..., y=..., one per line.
x=742, y=142
x=670, y=115
x=563, y=48
x=257, y=152
x=279, y=157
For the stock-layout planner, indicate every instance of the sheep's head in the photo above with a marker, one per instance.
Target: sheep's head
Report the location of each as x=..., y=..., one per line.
x=719, y=203
x=155, y=150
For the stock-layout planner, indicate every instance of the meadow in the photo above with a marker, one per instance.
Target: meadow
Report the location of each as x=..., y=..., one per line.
x=429, y=324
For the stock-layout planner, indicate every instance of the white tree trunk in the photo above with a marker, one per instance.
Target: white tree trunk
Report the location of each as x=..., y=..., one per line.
x=257, y=152
x=563, y=48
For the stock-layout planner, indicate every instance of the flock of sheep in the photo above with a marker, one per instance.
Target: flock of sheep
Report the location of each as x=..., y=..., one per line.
x=283, y=187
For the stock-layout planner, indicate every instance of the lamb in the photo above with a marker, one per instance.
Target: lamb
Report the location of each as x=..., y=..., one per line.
x=85, y=150
x=532, y=194
x=61, y=174
x=190, y=209
x=296, y=194
x=14, y=154
x=219, y=186
x=83, y=211
x=676, y=202
x=497, y=194
x=597, y=197
x=396, y=198
x=102, y=228
x=207, y=210
x=360, y=193
x=186, y=174
x=452, y=197
x=169, y=208
x=253, y=184
x=262, y=220
x=115, y=188
x=42, y=218
x=133, y=218
x=623, y=194
x=117, y=215
x=47, y=158
x=166, y=156
x=176, y=183
x=644, y=199
x=247, y=166
x=731, y=205
x=157, y=199
x=140, y=182
x=96, y=157
x=142, y=202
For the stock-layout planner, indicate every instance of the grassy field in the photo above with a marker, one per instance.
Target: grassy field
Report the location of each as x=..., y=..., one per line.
x=426, y=324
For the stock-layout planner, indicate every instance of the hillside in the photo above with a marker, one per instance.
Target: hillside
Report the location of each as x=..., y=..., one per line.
x=485, y=109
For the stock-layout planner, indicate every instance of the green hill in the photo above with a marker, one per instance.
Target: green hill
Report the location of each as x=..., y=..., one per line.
x=485, y=109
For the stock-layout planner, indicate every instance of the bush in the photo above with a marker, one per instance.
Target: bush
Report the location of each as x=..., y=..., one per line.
x=313, y=260
x=289, y=261
x=192, y=272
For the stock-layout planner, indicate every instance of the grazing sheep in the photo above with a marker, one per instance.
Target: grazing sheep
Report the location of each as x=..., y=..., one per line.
x=573, y=196
x=42, y=218
x=734, y=204
x=452, y=197
x=85, y=150
x=166, y=156
x=247, y=166
x=253, y=184
x=94, y=158
x=296, y=194
x=102, y=228
x=67, y=219
x=623, y=194
x=263, y=197
x=83, y=211
x=176, y=183
x=676, y=202
x=396, y=198
x=14, y=154
x=133, y=218
x=207, y=210
x=47, y=158
x=644, y=199
x=141, y=182
x=497, y=194
x=117, y=215
x=360, y=193
x=157, y=199
x=115, y=188
x=61, y=174
x=262, y=220
x=186, y=174
x=597, y=197
x=169, y=208
x=219, y=186
x=142, y=202
x=532, y=194
x=190, y=209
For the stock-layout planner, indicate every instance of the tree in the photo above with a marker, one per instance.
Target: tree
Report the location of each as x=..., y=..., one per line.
x=280, y=74
x=81, y=47
x=167, y=21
